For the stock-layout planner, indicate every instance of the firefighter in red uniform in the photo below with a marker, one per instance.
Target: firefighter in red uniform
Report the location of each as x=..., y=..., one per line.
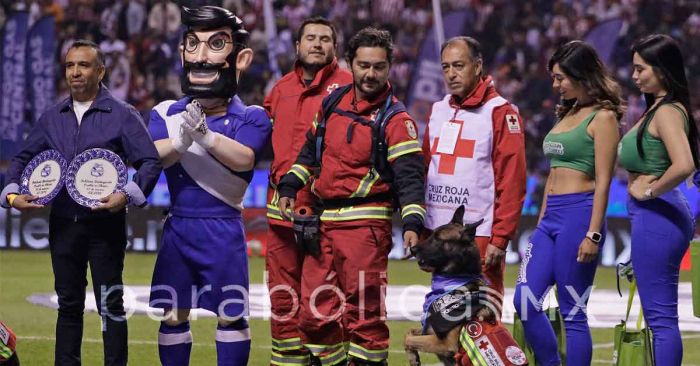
x=474, y=147
x=364, y=152
x=292, y=103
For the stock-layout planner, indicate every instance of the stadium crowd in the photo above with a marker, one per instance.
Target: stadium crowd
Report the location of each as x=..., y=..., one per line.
x=141, y=39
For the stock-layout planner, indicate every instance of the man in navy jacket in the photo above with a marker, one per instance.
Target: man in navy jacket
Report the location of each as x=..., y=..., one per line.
x=90, y=118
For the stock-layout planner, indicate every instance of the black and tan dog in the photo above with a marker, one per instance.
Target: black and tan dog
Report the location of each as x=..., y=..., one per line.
x=458, y=295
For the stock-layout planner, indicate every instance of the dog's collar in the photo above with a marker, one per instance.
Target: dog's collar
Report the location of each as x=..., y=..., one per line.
x=449, y=283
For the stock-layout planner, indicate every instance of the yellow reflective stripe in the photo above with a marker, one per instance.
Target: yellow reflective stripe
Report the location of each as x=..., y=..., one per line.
x=366, y=184
x=273, y=212
x=351, y=213
x=370, y=351
x=274, y=217
x=317, y=349
x=413, y=209
x=301, y=172
x=5, y=351
x=403, y=148
x=275, y=198
x=367, y=354
x=286, y=344
x=283, y=360
x=357, y=217
x=403, y=144
x=472, y=351
x=315, y=122
x=301, y=177
x=334, y=358
x=286, y=341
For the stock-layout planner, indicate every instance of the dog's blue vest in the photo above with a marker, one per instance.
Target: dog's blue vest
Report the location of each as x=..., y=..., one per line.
x=441, y=286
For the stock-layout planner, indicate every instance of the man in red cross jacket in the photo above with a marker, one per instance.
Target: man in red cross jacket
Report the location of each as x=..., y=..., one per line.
x=474, y=148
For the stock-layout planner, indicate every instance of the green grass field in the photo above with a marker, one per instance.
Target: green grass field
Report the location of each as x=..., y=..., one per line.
x=26, y=273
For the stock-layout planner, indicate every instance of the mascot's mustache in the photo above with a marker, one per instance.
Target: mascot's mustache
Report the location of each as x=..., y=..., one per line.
x=205, y=66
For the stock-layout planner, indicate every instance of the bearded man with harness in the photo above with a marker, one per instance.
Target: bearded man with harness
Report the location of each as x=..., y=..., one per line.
x=364, y=153
x=208, y=141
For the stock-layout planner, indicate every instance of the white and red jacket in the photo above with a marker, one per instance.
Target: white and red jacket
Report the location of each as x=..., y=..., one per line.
x=292, y=105
x=486, y=172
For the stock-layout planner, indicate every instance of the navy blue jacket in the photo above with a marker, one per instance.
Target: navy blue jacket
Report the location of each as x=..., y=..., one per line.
x=108, y=124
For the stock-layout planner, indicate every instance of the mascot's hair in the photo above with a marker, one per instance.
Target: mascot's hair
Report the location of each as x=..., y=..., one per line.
x=212, y=17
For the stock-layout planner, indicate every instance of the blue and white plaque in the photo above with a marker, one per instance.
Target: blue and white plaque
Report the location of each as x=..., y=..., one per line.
x=94, y=174
x=44, y=176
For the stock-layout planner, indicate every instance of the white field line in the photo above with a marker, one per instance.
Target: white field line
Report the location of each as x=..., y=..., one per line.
x=267, y=347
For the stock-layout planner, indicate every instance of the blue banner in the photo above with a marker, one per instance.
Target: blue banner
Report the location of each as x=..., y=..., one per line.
x=13, y=96
x=41, y=48
x=603, y=37
x=427, y=85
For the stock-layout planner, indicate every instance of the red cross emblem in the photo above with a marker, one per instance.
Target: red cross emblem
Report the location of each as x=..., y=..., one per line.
x=513, y=126
x=463, y=149
x=484, y=345
x=331, y=87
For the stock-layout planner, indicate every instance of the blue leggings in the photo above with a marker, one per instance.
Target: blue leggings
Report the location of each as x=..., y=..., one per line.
x=661, y=231
x=550, y=259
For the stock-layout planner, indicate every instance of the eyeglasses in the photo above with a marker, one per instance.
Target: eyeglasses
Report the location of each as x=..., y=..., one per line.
x=216, y=42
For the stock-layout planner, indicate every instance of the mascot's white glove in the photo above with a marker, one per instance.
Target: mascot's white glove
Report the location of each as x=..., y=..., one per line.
x=195, y=125
x=182, y=141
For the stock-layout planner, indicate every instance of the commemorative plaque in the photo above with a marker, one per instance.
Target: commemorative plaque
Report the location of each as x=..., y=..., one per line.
x=44, y=176
x=94, y=174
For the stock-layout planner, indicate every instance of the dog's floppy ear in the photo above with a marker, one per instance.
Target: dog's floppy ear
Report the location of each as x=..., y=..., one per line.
x=458, y=217
x=469, y=230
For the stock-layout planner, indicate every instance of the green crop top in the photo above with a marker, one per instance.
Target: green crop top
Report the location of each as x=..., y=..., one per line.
x=656, y=160
x=572, y=149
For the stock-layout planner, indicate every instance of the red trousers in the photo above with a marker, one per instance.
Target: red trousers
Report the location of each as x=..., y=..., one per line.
x=492, y=274
x=283, y=263
x=343, y=292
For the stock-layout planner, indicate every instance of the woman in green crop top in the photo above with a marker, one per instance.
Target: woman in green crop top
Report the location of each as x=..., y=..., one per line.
x=660, y=151
x=563, y=249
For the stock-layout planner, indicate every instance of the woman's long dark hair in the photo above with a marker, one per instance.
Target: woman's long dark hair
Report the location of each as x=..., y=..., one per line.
x=662, y=53
x=580, y=62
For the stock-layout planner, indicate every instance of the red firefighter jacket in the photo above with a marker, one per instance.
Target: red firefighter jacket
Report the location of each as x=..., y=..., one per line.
x=347, y=173
x=292, y=106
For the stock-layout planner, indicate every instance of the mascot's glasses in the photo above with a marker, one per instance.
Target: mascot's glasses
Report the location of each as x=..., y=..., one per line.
x=216, y=43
